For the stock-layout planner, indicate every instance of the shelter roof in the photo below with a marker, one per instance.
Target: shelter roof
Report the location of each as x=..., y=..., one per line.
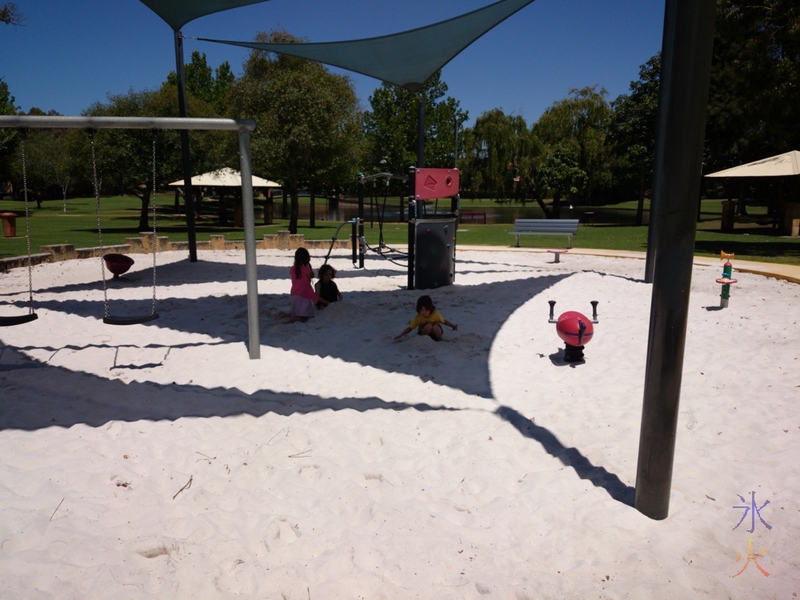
x=225, y=177
x=785, y=164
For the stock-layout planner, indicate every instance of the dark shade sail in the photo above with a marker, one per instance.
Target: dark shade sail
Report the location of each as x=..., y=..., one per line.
x=406, y=59
x=179, y=12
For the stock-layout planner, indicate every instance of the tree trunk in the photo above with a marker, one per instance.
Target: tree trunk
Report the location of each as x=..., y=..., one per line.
x=294, y=211
x=543, y=206
x=143, y=222
x=312, y=217
x=640, y=204
x=556, y=206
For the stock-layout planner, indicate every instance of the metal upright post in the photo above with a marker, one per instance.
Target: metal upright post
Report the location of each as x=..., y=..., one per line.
x=251, y=266
x=421, y=129
x=412, y=230
x=687, y=46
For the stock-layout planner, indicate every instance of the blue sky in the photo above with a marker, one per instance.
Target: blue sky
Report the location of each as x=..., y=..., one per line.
x=68, y=55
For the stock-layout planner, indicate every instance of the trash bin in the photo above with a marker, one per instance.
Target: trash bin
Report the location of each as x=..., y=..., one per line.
x=728, y=215
x=9, y=224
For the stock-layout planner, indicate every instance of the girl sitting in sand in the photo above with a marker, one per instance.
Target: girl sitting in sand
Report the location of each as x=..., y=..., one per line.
x=302, y=294
x=428, y=321
x=326, y=289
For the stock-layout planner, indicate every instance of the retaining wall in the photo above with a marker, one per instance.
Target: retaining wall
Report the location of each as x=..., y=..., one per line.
x=146, y=243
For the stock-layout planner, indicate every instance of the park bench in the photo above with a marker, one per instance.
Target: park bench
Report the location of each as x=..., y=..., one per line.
x=472, y=215
x=567, y=227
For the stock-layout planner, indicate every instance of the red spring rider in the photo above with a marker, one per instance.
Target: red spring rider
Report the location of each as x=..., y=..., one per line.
x=575, y=329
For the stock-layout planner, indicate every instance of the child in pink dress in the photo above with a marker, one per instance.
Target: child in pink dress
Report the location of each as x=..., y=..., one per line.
x=302, y=294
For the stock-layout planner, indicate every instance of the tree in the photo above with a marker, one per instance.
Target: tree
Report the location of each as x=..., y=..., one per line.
x=578, y=127
x=9, y=14
x=203, y=83
x=501, y=155
x=307, y=119
x=559, y=172
x=755, y=84
x=50, y=159
x=633, y=132
x=124, y=157
x=8, y=137
x=391, y=126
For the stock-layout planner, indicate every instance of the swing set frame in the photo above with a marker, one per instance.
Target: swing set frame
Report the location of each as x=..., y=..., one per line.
x=242, y=126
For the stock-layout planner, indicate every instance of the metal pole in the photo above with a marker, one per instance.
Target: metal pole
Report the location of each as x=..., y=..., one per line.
x=687, y=46
x=412, y=228
x=243, y=126
x=47, y=122
x=251, y=266
x=186, y=158
x=421, y=129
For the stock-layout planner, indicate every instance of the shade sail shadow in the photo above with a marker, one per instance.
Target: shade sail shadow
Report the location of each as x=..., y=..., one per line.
x=460, y=361
x=50, y=396
x=570, y=457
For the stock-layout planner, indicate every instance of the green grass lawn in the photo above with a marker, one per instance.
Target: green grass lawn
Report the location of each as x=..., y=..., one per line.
x=612, y=229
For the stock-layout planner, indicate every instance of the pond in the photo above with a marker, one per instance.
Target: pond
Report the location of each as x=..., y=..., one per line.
x=390, y=212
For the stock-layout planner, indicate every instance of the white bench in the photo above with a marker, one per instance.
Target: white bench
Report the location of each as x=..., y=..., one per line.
x=567, y=227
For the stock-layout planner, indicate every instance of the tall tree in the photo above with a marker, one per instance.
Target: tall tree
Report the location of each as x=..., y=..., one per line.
x=9, y=14
x=755, y=82
x=307, y=119
x=633, y=133
x=501, y=155
x=578, y=127
x=8, y=137
x=124, y=157
x=204, y=83
x=50, y=160
x=391, y=126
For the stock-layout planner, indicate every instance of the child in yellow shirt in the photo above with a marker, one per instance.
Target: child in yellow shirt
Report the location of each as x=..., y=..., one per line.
x=428, y=321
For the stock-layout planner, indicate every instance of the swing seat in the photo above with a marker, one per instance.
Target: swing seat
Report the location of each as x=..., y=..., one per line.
x=18, y=320
x=130, y=320
x=118, y=263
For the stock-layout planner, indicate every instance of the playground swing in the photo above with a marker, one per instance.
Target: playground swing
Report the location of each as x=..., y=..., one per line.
x=108, y=319
x=7, y=321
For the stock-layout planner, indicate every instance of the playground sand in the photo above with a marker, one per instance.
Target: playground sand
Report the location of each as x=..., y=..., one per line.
x=158, y=461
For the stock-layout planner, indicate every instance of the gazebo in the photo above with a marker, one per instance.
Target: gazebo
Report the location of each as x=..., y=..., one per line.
x=786, y=164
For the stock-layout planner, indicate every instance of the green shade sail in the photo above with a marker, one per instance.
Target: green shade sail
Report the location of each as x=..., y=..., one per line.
x=179, y=12
x=406, y=59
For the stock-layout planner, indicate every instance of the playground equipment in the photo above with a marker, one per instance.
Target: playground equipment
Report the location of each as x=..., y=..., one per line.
x=242, y=126
x=7, y=321
x=726, y=280
x=118, y=260
x=557, y=254
x=430, y=259
x=432, y=241
x=575, y=330
x=118, y=264
x=357, y=240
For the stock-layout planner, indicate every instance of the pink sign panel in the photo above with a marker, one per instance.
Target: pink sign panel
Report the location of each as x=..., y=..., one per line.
x=435, y=183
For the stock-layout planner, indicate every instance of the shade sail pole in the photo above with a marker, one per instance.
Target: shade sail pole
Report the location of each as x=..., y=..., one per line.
x=683, y=97
x=421, y=128
x=187, y=161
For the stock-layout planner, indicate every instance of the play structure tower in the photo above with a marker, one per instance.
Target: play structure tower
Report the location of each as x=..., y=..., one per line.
x=431, y=234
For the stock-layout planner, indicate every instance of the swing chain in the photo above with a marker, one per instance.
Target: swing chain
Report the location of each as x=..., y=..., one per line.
x=91, y=133
x=155, y=235
x=23, y=136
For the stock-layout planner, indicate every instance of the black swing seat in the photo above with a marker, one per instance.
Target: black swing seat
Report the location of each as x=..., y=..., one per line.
x=18, y=320
x=130, y=320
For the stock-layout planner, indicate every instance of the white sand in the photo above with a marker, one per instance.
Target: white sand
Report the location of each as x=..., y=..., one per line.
x=158, y=461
